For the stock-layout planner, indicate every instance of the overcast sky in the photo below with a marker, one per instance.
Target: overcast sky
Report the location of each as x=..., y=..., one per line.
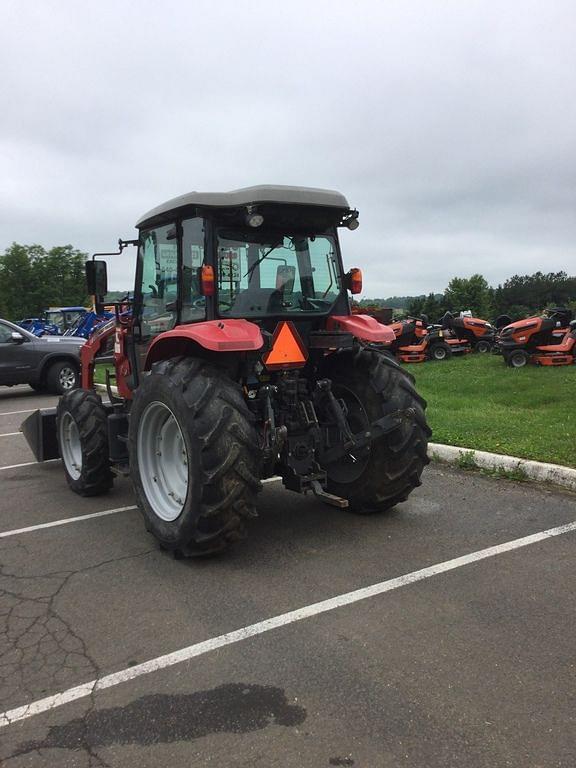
x=451, y=126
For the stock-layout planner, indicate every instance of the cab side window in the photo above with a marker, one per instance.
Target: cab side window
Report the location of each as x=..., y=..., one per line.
x=193, y=250
x=158, y=257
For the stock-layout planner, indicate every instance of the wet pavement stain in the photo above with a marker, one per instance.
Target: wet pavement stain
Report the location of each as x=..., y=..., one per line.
x=341, y=761
x=163, y=718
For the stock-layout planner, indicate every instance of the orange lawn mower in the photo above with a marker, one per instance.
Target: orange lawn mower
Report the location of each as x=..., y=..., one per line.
x=545, y=340
x=479, y=333
x=416, y=341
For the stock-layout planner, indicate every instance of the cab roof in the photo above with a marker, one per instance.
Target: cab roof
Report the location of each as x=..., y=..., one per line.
x=265, y=193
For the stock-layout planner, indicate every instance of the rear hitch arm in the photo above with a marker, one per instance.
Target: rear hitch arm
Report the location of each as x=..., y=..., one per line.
x=378, y=429
x=328, y=498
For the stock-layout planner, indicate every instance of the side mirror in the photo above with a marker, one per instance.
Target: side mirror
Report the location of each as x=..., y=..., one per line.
x=285, y=277
x=353, y=280
x=17, y=338
x=96, y=278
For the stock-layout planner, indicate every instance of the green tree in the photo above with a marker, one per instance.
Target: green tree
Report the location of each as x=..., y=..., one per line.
x=471, y=293
x=534, y=292
x=416, y=306
x=32, y=279
x=17, y=282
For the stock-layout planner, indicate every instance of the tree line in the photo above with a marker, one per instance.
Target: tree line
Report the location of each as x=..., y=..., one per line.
x=33, y=278
x=518, y=297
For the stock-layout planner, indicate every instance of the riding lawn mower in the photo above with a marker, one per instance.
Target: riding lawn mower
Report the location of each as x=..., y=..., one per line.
x=544, y=340
x=480, y=334
x=416, y=341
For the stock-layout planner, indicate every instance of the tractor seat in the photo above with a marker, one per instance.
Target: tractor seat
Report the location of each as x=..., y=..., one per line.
x=258, y=301
x=566, y=345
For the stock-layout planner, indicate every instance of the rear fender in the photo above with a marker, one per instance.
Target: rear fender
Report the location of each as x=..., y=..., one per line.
x=362, y=327
x=212, y=335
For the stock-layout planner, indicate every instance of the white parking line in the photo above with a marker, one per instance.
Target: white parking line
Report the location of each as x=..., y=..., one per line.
x=198, y=649
x=10, y=434
x=55, y=523
x=28, y=464
x=79, y=518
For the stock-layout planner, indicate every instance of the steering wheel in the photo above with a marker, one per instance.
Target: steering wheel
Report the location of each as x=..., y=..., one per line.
x=305, y=303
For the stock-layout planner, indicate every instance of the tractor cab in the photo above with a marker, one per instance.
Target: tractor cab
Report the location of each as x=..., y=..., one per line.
x=261, y=254
x=218, y=272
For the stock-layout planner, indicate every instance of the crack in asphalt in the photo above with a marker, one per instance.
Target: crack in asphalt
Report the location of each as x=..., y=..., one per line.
x=39, y=650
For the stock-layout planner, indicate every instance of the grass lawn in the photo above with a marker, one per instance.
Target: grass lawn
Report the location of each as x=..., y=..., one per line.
x=478, y=402
x=100, y=373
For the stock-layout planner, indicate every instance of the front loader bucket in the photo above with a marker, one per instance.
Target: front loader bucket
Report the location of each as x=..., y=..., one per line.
x=39, y=429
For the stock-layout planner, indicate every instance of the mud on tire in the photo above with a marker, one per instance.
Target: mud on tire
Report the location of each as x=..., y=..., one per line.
x=82, y=432
x=207, y=413
x=373, y=386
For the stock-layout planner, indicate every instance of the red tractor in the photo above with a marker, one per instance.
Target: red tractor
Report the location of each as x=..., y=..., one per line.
x=240, y=360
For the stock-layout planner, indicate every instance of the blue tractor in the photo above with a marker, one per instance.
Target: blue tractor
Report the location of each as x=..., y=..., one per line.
x=54, y=321
x=86, y=324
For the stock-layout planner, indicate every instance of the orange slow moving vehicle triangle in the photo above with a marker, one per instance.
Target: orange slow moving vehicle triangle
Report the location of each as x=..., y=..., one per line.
x=288, y=350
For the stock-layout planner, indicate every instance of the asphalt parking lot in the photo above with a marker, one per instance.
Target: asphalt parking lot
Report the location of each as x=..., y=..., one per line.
x=467, y=661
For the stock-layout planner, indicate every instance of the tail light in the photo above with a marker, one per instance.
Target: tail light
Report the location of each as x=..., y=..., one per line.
x=354, y=280
x=207, y=280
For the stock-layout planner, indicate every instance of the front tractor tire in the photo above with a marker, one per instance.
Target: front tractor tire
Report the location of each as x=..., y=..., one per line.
x=373, y=386
x=81, y=428
x=194, y=457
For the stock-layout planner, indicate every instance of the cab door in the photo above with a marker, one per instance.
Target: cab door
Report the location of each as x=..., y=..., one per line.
x=156, y=291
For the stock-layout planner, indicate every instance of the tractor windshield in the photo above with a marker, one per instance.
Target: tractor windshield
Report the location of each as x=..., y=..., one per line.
x=63, y=318
x=262, y=274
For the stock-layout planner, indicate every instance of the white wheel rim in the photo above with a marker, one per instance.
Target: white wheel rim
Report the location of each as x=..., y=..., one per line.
x=70, y=446
x=162, y=461
x=440, y=353
x=67, y=378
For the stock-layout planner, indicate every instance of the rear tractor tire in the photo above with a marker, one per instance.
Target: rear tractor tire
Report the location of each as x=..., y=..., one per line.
x=194, y=457
x=81, y=428
x=439, y=350
x=373, y=386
